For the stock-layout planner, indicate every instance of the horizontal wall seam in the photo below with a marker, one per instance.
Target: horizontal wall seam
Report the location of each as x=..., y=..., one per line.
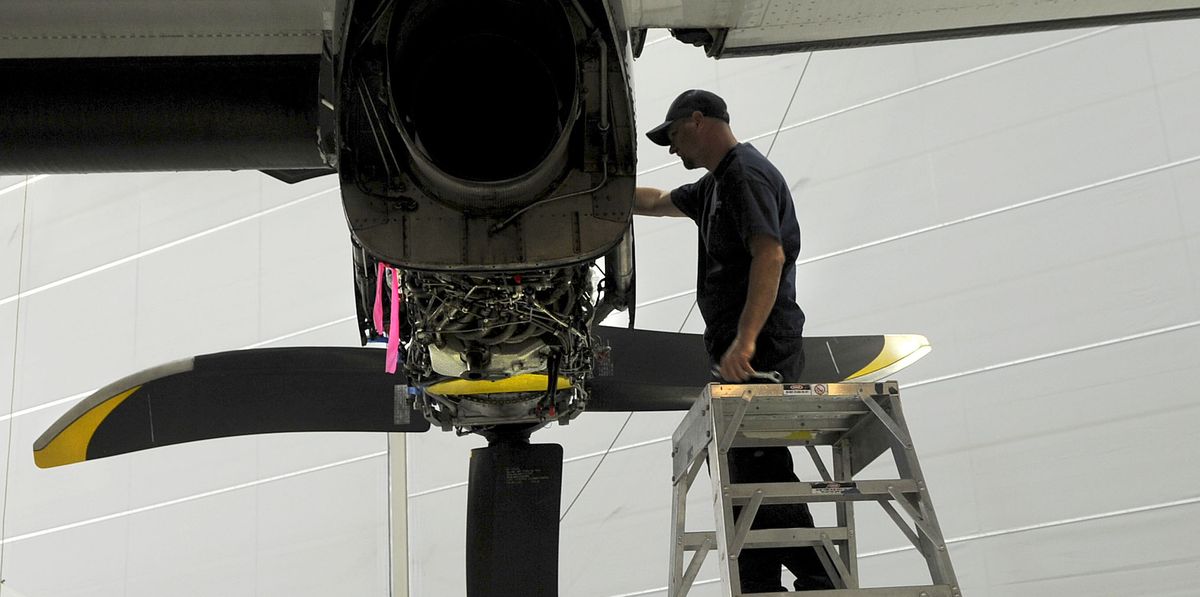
x=85, y=394
x=1013, y=363
x=24, y=183
x=201, y=234
x=903, y=386
x=1057, y=353
x=985, y=535
x=662, y=440
x=999, y=210
x=971, y=218
x=908, y=90
x=215, y=492
x=292, y=203
x=159, y=248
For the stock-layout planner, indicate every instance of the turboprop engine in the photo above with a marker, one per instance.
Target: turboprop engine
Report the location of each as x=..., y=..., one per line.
x=486, y=151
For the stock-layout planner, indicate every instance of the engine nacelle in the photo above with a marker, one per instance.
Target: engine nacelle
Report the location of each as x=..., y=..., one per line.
x=482, y=135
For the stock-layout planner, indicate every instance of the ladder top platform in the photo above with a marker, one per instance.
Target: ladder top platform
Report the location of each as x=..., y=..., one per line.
x=802, y=390
x=792, y=414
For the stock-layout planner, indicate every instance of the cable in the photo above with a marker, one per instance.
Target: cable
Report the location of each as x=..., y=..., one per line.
x=690, y=308
x=596, y=468
x=688, y=316
x=615, y=437
x=12, y=396
x=509, y=220
x=772, y=146
x=779, y=127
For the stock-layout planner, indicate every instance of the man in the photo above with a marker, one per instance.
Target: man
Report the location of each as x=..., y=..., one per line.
x=745, y=287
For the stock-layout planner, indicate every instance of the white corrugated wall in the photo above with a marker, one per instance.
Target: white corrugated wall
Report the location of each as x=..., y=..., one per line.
x=1030, y=203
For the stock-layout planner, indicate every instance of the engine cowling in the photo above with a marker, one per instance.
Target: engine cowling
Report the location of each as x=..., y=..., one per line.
x=480, y=135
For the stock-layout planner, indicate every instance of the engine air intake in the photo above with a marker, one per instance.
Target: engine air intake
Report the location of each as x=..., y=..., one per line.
x=496, y=83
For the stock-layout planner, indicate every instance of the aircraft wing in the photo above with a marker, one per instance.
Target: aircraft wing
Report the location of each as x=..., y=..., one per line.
x=95, y=29
x=162, y=85
x=762, y=27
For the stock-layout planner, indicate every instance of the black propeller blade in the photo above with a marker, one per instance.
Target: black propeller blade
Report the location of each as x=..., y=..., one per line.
x=645, y=370
x=241, y=392
x=513, y=500
x=648, y=371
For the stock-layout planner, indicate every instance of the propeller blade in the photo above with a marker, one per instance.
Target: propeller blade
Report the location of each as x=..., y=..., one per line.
x=240, y=392
x=646, y=370
x=513, y=500
x=652, y=371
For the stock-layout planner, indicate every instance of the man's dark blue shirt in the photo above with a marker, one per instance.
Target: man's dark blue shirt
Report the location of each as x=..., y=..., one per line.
x=744, y=196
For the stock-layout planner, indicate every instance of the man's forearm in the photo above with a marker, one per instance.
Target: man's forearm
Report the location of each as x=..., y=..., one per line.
x=644, y=199
x=654, y=202
x=760, y=295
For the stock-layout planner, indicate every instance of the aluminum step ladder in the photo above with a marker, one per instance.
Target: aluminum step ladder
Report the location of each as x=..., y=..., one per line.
x=860, y=421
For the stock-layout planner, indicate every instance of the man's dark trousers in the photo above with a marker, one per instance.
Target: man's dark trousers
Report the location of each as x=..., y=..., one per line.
x=760, y=568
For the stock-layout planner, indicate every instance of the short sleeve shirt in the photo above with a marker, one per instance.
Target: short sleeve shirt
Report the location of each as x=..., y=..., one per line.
x=744, y=196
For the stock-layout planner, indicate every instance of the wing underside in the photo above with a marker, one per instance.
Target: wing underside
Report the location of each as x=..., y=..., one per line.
x=775, y=26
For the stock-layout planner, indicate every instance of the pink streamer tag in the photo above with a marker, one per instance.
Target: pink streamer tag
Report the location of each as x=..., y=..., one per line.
x=377, y=316
x=393, y=337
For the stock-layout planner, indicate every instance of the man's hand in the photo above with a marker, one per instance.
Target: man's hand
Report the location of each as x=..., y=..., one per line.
x=735, y=363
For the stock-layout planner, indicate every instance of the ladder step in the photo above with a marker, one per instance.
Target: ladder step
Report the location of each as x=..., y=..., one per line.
x=763, y=419
x=915, y=591
x=760, y=538
x=794, y=493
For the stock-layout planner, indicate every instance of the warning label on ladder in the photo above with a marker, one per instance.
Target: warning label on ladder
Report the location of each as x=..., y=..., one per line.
x=797, y=389
x=843, y=488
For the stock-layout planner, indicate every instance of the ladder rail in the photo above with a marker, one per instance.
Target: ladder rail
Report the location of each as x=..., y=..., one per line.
x=747, y=415
x=680, y=580
x=723, y=514
x=845, y=512
x=932, y=541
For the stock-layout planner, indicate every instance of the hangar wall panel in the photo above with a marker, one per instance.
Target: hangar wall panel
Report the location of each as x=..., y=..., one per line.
x=1029, y=203
x=119, y=273
x=1011, y=198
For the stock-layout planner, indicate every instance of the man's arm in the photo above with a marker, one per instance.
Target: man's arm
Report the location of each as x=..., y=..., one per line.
x=766, y=265
x=654, y=202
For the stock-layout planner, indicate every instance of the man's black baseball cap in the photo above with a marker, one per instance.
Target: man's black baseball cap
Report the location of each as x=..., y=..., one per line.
x=692, y=100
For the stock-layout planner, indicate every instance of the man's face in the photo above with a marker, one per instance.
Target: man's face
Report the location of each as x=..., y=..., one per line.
x=682, y=135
